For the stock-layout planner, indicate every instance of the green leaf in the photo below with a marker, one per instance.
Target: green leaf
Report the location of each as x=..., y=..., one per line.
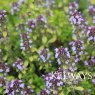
x=79, y=88
x=4, y=34
x=26, y=63
x=86, y=85
x=44, y=39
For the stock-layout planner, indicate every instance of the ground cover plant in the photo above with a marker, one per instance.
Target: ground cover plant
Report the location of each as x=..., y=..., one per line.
x=47, y=47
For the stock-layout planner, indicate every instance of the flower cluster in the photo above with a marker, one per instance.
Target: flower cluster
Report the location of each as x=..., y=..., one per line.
x=2, y=81
x=77, y=19
x=25, y=41
x=62, y=54
x=44, y=55
x=44, y=92
x=91, y=10
x=17, y=87
x=91, y=33
x=20, y=2
x=41, y=20
x=2, y=17
x=50, y=3
x=72, y=66
x=90, y=61
x=15, y=8
x=19, y=64
x=14, y=87
x=79, y=31
x=20, y=27
x=31, y=25
x=4, y=68
x=77, y=48
x=53, y=81
x=27, y=91
x=73, y=7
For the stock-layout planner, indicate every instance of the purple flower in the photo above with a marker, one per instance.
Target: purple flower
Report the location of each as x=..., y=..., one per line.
x=91, y=10
x=4, y=68
x=14, y=86
x=77, y=19
x=91, y=33
x=41, y=18
x=90, y=61
x=93, y=81
x=62, y=54
x=77, y=46
x=2, y=81
x=20, y=27
x=30, y=25
x=53, y=81
x=19, y=64
x=73, y=7
x=44, y=55
x=21, y=1
x=41, y=21
x=25, y=41
x=43, y=92
x=14, y=7
x=27, y=91
x=2, y=17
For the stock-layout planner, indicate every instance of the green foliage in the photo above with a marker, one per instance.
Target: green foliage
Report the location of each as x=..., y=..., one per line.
x=56, y=33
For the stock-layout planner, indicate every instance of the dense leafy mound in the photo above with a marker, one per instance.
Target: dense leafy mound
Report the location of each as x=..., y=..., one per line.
x=47, y=47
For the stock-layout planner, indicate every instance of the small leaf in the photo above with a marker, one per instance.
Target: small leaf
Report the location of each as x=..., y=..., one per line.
x=30, y=81
x=9, y=78
x=61, y=93
x=24, y=71
x=52, y=39
x=31, y=58
x=20, y=76
x=1, y=90
x=26, y=63
x=44, y=40
x=40, y=67
x=79, y=88
x=86, y=84
x=4, y=34
x=5, y=57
